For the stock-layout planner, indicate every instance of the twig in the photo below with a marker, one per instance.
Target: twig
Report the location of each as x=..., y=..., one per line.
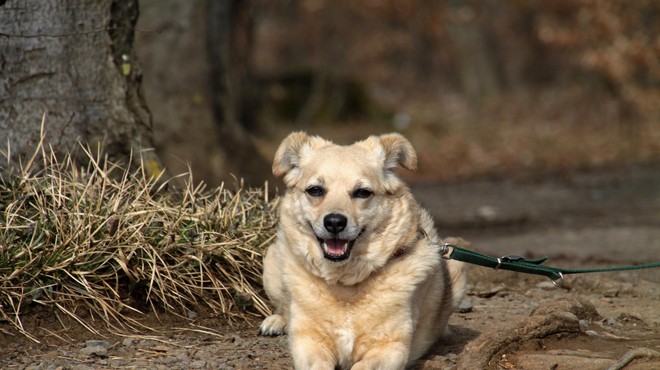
x=634, y=354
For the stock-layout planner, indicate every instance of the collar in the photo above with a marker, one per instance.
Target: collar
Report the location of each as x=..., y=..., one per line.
x=421, y=234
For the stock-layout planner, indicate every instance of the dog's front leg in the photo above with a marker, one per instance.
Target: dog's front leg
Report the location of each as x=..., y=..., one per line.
x=311, y=347
x=389, y=356
x=311, y=353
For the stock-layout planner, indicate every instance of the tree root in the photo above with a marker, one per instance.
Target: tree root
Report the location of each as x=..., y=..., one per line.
x=561, y=316
x=633, y=354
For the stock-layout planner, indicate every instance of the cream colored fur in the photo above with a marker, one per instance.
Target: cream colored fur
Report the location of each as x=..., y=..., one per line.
x=373, y=307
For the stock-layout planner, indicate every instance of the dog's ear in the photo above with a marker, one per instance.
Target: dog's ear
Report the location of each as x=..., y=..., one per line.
x=398, y=151
x=287, y=156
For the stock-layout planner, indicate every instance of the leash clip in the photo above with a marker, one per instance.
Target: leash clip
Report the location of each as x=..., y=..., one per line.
x=444, y=250
x=558, y=282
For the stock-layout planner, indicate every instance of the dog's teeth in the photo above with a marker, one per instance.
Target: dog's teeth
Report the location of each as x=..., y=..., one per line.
x=335, y=246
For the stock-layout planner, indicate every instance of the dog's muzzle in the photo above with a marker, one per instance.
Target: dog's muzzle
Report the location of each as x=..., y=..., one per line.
x=335, y=248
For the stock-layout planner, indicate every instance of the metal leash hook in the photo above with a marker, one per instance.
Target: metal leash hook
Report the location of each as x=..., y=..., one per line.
x=445, y=250
x=558, y=282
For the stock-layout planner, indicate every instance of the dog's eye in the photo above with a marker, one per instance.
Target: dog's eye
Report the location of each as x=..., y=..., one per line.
x=315, y=191
x=362, y=193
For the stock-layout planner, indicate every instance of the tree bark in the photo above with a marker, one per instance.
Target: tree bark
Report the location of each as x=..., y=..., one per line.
x=75, y=63
x=478, y=75
x=229, y=40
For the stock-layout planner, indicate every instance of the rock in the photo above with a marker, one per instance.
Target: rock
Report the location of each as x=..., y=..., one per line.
x=94, y=351
x=546, y=285
x=611, y=293
x=138, y=364
x=199, y=364
x=101, y=343
x=465, y=306
x=96, y=348
x=82, y=367
x=592, y=334
x=147, y=343
x=192, y=314
x=489, y=293
x=182, y=357
x=609, y=321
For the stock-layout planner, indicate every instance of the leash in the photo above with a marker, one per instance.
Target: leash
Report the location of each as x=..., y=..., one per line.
x=520, y=264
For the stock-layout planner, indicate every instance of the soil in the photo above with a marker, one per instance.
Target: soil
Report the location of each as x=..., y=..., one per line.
x=509, y=320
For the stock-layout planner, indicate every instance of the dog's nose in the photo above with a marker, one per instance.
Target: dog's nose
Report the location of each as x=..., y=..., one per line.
x=335, y=222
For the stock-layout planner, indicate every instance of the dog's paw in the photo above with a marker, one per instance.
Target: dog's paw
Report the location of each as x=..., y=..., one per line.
x=272, y=325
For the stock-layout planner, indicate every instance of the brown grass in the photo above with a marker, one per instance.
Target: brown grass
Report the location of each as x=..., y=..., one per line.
x=105, y=243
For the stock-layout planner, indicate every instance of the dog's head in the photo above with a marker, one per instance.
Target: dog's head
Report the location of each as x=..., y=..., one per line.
x=343, y=197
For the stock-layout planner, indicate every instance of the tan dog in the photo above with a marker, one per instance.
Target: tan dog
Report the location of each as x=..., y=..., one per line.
x=355, y=273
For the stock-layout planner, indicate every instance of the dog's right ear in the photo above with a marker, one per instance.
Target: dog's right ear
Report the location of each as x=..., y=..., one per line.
x=287, y=157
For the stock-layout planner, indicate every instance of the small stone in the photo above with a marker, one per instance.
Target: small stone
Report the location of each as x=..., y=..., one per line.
x=138, y=364
x=199, y=364
x=593, y=334
x=94, y=351
x=170, y=360
x=546, y=285
x=465, y=306
x=146, y=343
x=96, y=348
x=182, y=357
x=489, y=293
x=192, y=314
x=98, y=343
x=128, y=342
x=609, y=321
x=611, y=293
x=82, y=367
x=584, y=325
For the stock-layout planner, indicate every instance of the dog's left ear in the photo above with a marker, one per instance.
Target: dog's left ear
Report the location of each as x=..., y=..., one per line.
x=398, y=151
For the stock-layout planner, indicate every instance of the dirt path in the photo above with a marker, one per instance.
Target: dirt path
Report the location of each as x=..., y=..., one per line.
x=600, y=218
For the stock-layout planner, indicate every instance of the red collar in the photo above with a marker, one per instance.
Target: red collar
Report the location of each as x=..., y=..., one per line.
x=399, y=252
x=402, y=250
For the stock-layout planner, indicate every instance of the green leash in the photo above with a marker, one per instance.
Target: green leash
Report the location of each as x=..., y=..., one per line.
x=520, y=264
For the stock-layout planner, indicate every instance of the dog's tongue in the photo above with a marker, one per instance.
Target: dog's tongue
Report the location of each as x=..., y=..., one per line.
x=336, y=246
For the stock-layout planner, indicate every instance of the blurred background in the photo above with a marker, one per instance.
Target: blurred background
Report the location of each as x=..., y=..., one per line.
x=480, y=88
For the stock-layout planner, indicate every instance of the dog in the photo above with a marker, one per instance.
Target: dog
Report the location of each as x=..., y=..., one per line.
x=355, y=272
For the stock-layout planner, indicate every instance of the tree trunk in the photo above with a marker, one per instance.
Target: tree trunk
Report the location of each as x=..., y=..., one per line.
x=75, y=63
x=478, y=74
x=229, y=40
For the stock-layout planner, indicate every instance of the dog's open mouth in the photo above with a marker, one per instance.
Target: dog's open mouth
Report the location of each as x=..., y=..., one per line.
x=336, y=250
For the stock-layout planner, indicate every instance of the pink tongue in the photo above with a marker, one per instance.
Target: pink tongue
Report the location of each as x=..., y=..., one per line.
x=336, y=246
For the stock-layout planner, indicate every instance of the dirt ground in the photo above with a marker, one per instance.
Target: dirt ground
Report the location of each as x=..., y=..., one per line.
x=508, y=321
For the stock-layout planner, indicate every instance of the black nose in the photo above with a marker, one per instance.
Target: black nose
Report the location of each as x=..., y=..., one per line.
x=335, y=223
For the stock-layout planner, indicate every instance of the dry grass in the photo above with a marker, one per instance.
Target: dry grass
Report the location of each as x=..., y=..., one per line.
x=103, y=243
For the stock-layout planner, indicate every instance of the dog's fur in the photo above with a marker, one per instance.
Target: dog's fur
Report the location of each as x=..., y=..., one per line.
x=355, y=273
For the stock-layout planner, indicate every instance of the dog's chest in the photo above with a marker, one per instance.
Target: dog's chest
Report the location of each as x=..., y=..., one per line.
x=344, y=342
x=353, y=315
